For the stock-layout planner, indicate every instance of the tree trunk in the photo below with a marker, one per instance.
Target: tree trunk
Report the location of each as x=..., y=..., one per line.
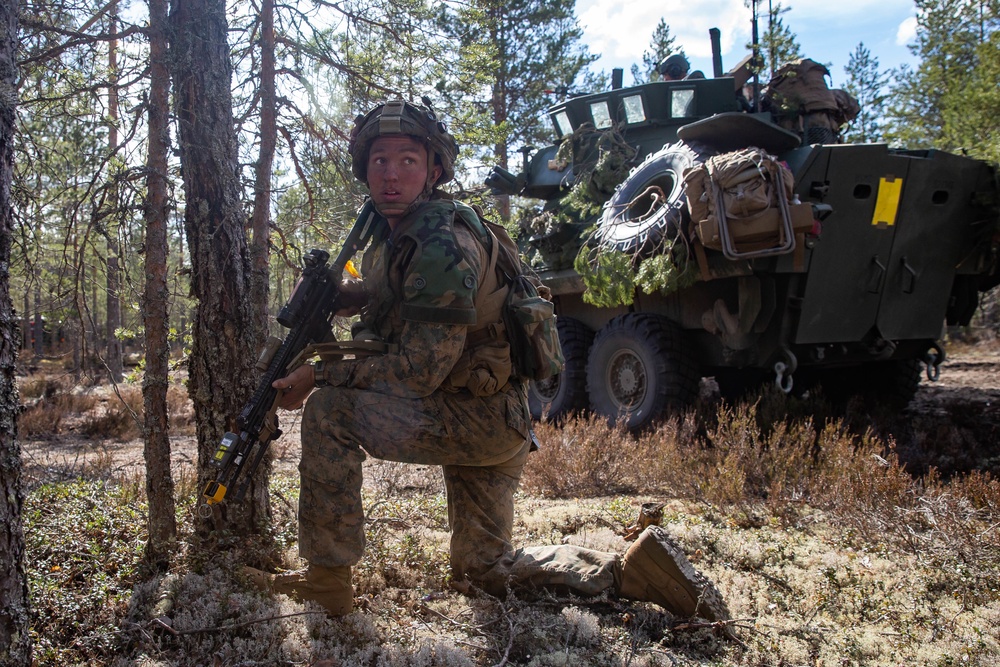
x=500, y=116
x=38, y=327
x=113, y=354
x=159, y=483
x=113, y=351
x=94, y=353
x=260, y=223
x=180, y=309
x=226, y=332
x=26, y=320
x=15, y=642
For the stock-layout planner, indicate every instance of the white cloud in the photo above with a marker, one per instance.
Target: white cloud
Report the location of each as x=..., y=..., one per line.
x=907, y=31
x=622, y=31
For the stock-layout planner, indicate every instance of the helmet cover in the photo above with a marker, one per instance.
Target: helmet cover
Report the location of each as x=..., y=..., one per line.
x=675, y=66
x=398, y=117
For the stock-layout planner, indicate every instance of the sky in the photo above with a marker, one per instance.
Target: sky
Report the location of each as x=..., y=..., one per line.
x=828, y=31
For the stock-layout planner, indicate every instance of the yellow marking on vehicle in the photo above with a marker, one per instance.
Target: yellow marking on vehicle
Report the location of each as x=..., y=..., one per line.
x=887, y=203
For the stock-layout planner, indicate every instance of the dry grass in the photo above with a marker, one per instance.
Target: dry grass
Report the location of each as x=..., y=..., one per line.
x=46, y=416
x=827, y=549
x=120, y=419
x=55, y=405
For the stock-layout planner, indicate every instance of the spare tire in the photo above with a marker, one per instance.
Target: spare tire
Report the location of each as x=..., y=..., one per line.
x=649, y=204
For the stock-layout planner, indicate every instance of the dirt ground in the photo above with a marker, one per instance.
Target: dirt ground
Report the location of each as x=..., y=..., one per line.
x=952, y=424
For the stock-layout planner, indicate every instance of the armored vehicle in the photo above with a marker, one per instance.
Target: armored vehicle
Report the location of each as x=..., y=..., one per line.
x=844, y=280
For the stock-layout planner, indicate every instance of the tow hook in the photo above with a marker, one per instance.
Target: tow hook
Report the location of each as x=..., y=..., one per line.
x=933, y=358
x=783, y=372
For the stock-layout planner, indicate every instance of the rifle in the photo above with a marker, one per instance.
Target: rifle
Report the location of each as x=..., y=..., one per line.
x=307, y=315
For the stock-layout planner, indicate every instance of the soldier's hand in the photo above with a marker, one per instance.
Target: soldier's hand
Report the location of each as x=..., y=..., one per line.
x=350, y=298
x=296, y=386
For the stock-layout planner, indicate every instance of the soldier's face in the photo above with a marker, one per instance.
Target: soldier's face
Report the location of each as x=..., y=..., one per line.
x=397, y=174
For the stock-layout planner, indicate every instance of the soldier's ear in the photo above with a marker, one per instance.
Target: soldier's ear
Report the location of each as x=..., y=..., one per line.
x=435, y=174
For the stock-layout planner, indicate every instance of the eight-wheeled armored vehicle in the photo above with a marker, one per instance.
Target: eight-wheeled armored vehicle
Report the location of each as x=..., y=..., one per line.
x=846, y=280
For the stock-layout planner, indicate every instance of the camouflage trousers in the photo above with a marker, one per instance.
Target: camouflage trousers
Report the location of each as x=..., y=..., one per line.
x=482, y=446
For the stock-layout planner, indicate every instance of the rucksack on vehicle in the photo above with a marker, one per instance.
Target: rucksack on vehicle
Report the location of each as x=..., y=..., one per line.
x=800, y=100
x=741, y=203
x=800, y=86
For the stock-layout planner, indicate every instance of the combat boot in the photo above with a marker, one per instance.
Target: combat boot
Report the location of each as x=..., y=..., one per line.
x=329, y=586
x=654, y=569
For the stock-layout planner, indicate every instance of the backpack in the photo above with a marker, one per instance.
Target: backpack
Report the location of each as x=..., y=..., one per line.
x=800, y=100
x=528, y=317
x=800, y=86
x=751, y=192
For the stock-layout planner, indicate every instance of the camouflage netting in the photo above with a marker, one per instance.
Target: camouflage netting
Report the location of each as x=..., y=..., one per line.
x=557, y=231
x=612, y=276
x=661, y=264
x=562, y=232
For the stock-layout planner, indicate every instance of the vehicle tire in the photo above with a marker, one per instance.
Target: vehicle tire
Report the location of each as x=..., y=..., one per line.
x=567, y=392
x=633, y=218
x=640, y=367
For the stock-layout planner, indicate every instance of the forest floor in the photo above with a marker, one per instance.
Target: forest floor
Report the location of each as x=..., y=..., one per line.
x=864, y=560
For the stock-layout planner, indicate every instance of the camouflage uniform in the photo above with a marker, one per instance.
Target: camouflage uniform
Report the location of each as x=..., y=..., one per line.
x=440, y=400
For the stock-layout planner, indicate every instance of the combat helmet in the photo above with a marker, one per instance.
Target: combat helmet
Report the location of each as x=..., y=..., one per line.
x=676, y=67
x=401, y=117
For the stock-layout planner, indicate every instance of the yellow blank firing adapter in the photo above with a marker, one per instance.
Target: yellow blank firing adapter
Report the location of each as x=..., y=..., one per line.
x=214, y=493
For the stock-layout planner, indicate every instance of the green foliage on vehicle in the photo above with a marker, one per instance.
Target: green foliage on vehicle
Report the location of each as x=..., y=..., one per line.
x=608, y=275
x=667, y=272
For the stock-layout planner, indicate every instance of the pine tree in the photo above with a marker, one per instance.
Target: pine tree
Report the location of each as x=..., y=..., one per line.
x=778, y=44
x=15, y=613
x=162, y=521
x=934, y=102
x=75, y=179
x=227, y=331
x=868, y=84
x=660, y=46
x=972, y=118
x=511, y=53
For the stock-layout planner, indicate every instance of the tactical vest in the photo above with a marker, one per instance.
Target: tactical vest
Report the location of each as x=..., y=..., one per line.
x=421, y=273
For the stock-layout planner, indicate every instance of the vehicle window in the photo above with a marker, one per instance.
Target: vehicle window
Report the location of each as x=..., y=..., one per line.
x=681, y=103
x=563, y=124
x=635, y=112
x=602, y=117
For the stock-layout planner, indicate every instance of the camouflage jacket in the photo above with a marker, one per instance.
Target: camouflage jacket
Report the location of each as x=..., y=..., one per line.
x=422, y=281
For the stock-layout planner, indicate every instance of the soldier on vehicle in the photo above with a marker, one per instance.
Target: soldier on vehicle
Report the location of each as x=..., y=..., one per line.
x=677, y=68
x=443, y=395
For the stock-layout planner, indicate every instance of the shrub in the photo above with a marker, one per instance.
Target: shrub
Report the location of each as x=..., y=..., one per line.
x=585, y=457
x=122, y=418
x=46, y=416
x=180, y=409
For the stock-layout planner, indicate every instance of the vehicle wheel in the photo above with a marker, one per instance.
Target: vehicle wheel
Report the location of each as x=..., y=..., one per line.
x=566, y=392
x=638, y=368
x=649, y=204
